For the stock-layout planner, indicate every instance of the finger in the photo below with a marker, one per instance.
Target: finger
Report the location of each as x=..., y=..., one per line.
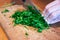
x=54, y=21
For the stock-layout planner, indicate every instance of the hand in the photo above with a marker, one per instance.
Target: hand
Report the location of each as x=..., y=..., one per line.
x=52, y=12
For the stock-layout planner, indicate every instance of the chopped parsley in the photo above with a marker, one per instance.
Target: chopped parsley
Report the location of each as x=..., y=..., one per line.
x=26, y=34
x=4, y=11
x=30, y=17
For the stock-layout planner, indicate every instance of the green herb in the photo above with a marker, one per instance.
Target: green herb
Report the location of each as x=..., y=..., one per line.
x=30, y=17
x=39, y=30
x=26, y=34
x=4, y=11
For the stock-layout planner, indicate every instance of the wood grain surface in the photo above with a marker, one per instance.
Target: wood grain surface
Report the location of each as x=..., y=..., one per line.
x=41, y=4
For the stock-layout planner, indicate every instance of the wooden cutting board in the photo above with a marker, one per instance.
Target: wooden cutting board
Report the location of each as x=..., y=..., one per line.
x=41, y=5
x=2, y=32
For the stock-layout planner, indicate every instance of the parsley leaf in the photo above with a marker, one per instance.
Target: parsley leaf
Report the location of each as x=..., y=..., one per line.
x=4, y=11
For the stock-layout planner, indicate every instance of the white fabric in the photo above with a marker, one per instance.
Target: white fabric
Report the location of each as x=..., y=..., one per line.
x=52, y=12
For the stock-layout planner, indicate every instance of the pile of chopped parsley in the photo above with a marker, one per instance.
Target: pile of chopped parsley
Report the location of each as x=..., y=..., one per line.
x=30, y=17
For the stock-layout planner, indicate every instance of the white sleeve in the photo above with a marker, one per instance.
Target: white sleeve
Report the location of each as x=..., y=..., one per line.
x=52, y=12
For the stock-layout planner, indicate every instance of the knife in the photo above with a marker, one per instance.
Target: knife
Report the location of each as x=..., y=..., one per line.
x=30, y=3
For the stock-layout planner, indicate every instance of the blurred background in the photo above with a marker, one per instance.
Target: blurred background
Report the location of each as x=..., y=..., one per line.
x=40, y=3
